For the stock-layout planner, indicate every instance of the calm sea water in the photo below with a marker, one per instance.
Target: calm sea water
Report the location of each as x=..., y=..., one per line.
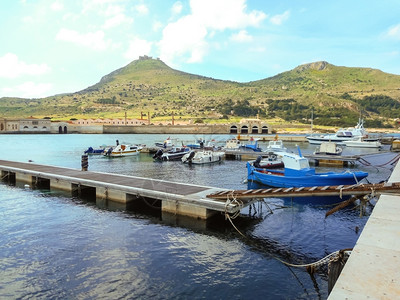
x=55, y=246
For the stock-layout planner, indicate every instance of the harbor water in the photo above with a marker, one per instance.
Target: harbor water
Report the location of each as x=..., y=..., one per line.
x=55, y=246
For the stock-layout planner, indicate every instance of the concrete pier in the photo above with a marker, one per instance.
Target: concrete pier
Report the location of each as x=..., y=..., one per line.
x=373, y=268
x=177, y=198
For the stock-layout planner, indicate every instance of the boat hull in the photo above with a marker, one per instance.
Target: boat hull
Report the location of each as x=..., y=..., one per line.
x=124, y=153
x=356, y=144
x=202, y=157
x=279, y=179
x=319, y=140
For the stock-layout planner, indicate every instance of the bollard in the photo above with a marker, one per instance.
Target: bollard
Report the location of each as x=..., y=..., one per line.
x=84, y=162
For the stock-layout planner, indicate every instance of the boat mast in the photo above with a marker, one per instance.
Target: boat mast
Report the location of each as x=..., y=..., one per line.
x=312, y=117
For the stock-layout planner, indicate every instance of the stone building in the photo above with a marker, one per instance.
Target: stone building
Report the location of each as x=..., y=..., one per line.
x=249, y=126
x=29, y=125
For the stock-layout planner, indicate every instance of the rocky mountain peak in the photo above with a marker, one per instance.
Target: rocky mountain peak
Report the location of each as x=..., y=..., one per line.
x=319, y=66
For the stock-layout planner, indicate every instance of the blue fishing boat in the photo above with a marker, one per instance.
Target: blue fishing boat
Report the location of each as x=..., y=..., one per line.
x=252, y=146
x=297, y=173
x=93, y=151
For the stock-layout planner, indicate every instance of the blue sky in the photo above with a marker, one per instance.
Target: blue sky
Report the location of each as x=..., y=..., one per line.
x=61, y=46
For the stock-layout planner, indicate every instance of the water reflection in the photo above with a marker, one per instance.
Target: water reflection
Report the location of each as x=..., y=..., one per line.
x=55, y=246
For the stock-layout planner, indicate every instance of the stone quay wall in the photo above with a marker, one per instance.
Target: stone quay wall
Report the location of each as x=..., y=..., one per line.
x=169, y=129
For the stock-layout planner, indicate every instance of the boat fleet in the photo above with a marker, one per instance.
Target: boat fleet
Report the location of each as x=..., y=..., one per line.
x=275, y=166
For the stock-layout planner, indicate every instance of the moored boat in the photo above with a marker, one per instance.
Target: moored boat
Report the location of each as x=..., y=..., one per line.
x=252, y=146
x=328, y=148
x=343, y=134
x=270, y=161
x=168, y=143
x=362, y=143
x=92, y=151
x=175, y=153
x=232, y=144
x=202, y=157
x=123, y=150
x=276, y=146
x=198, y=144
x=297, y=173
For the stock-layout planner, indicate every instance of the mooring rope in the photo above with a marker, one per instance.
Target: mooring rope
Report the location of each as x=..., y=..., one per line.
x=231, y=200
x=318, y=263
x=322, y=261
x=391, y=161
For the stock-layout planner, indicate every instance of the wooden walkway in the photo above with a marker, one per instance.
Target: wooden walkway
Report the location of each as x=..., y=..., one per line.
x=176, y=197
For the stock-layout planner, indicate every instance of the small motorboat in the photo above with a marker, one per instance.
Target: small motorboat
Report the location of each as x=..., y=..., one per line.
x=232, y=144
x=175, y=153
x=198, y=144
x=252, y=146
x=123, y=150
x=270, y=161
x=92, y=151
x=276, y=146
x=203, y=157
x=168, y=143
x=362, y=143
x=297, y=173
x=328, y=148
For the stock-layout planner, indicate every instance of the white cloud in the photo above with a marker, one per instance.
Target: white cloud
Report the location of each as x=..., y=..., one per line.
x=394, y=32
x=279, y=19
x=187, y=37
x=137, y=47
x=96, y=5
x=112, y=10
x=93, y=40
x=157, y=25
x=242, y=36
x=31, y=89
x=224, y=14
x=117, y=20
x=184, y=38
x=57, y=6
x=12, y=67
x=142, y=9
x=177, y=8
x=28, y=89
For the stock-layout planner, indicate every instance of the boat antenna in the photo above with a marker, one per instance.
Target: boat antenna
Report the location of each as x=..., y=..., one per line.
x=298, y=149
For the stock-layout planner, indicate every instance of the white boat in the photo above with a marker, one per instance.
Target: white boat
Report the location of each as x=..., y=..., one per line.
x=361, y=143
x=202, y=157
x=168, y=143
x=232, y=144
x=328, y=148
x=123, y=150
x=275, y=146
x=343, y=134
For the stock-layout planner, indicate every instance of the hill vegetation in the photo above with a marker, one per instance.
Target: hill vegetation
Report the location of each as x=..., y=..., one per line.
x=334, y=95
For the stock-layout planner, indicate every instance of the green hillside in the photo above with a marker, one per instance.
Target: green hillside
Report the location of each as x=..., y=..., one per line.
x=335, y=94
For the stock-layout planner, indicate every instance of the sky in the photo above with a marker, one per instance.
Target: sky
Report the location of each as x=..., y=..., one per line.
x=48, y=47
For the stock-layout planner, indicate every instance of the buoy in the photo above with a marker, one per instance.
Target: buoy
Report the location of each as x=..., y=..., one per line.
x=26, y=186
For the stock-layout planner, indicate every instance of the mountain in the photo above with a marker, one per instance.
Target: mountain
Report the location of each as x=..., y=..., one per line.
x=335, y=94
